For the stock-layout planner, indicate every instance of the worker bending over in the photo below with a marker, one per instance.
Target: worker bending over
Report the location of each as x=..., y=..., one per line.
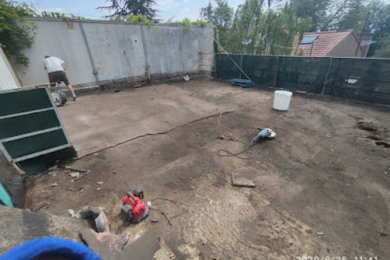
x=56, y=70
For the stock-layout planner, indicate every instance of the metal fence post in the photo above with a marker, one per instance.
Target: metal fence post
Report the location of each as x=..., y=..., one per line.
x=276, y=74
x=326, y=77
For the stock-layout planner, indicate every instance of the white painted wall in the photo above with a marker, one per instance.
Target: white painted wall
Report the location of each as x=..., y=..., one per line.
x=118, y=50
x=7, y=75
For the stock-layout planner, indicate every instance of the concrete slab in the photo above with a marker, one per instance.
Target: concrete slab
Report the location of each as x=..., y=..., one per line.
x=99, y=121
x=321, y=161
x=143, y=248
x=18, y=226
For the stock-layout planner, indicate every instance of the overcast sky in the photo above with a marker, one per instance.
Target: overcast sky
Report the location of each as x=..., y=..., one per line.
x=176, y=9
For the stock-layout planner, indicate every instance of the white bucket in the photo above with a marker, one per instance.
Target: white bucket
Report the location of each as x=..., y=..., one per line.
x=282, y=100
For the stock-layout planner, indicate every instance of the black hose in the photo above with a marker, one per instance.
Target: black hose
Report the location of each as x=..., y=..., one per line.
x=226, y=153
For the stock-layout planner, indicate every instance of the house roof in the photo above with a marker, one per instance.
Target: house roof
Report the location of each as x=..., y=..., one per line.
x=325, y=42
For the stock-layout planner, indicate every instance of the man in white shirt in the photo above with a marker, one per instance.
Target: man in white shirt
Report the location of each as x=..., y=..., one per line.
x=56, y=70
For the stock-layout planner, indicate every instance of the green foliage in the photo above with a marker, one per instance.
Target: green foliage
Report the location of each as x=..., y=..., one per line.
x=355, y=17
x=363, y=16
x=139, y=18
x=221, y=16
x=253, y=31
x=316, y=10
x=122, y=8
x=58, y=15
x=16, y=33
x=384, y=50
x=201, y=23
x=188, y=23
x=379, y=24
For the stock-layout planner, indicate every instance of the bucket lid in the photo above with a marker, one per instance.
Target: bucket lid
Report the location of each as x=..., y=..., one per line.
x=284, y=93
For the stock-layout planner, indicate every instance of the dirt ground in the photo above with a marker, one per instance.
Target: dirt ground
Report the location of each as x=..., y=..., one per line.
x=322, y=185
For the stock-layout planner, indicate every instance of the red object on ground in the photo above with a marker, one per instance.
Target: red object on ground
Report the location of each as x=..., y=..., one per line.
x=138, y=207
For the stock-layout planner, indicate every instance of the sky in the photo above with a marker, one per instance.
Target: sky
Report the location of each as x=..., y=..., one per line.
x=167, y=9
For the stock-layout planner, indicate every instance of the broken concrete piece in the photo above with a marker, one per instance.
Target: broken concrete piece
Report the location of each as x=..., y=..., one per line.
x=102, y=223
x=242, y=182
x=67, y=213
x=18, y=226
x=99, y=183
x=54, y=184
x=75, y=175
x=121, y=243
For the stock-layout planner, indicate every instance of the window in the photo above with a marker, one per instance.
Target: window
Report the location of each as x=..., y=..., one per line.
x=309, y=39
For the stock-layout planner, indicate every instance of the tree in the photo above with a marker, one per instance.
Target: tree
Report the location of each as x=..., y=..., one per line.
x=384, y=50
x=123, y=8
x=16, y=33
x=208, y=13
x=379, y=25
x=269, y=33
x=221, y=17
x=316, y=10
x=355, y=17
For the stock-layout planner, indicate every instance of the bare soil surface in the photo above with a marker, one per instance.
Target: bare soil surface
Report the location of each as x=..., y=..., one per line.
x=322, y=185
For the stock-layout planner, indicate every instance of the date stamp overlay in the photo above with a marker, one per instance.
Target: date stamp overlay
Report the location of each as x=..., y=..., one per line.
x=336, y=257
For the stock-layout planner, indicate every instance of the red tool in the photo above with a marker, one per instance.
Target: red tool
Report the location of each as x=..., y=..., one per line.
x=134, y=207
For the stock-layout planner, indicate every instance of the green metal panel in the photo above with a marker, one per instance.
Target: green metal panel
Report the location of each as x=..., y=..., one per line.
x=31, y=133
x=261, y=69
x=23, y=101
x=41, y=163
x=33, y=144
x=225, y=68
x=302, y=73
x=28, y=123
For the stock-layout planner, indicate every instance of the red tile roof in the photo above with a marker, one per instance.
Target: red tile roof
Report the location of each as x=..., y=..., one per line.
x=325, y=42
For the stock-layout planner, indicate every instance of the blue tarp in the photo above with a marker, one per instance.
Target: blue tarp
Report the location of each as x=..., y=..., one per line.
x=50, y=246
x=5, y=197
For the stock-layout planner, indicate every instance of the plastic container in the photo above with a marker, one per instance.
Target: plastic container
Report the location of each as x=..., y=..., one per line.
x=282, y=100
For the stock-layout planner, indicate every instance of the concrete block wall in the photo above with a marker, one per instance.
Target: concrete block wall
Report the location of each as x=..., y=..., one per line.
x=100, y=51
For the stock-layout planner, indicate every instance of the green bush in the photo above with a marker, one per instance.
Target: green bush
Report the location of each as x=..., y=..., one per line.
x=188, y=23
x=16, y=33
x=139, y=18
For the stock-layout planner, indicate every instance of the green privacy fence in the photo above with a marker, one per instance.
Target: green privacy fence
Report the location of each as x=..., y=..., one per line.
x=31, y=132
x=353, y=78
